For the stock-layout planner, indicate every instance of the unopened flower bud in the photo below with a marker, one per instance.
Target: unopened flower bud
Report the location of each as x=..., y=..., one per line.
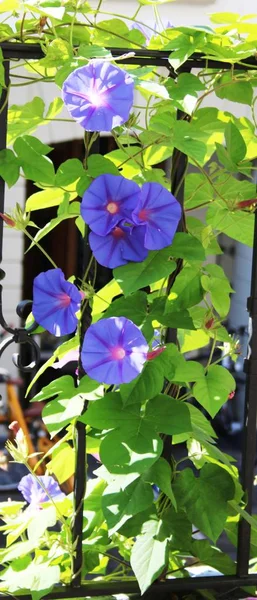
x=246, y=203
x=8, y=220
x=209, y=324
x=151, y=355
x=20, y=451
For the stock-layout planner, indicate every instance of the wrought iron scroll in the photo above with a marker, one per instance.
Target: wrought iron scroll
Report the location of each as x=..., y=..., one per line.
x=18, y=335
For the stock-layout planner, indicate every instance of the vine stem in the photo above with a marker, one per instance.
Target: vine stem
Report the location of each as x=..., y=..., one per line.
x=40, y=248
x=212, y=352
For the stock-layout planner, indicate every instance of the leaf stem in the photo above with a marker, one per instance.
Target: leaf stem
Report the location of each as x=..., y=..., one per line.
x=40, y=248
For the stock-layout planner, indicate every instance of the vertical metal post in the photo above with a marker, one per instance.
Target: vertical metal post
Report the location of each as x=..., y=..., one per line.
x=80, y=479
x=178, y=169
x=249, y=440
x=3, y=135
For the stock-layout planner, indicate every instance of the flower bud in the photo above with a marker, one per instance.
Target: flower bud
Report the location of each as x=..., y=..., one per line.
x=20, y=451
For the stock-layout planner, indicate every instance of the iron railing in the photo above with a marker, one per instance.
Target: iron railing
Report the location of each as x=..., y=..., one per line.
x=160, y=589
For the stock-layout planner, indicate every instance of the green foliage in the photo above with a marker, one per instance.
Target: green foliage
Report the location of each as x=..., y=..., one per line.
x=133, y=276
x=133, y=428
x=205, y=498
x=149, y=554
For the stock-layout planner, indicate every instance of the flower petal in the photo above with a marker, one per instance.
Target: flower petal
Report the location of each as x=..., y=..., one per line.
x=120, y=246
x=99, y=95
x=109, y=200
x=55, y=302
x=160, y=212
x=114, y=351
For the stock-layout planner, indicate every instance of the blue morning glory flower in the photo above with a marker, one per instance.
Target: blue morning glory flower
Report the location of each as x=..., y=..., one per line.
x=114, y=351
x=122, y=245
x=159, y=212
x=35, y=495
x=107, y=201
x=99, y=95
x=55, y=302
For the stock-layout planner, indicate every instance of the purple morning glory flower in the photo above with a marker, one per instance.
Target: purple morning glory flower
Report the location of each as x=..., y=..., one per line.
x=114, y=351
x=99, y=95
x=122, y=245
x=108, y=200
x=159, y=212
x=35, y=495
x=55, y=302
x=148, y=32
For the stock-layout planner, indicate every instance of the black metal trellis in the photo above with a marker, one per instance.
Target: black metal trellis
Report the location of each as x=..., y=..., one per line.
x=242, y=578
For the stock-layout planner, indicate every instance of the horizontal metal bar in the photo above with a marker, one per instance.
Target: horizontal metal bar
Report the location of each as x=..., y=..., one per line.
x=188, y=584
x=142, y=56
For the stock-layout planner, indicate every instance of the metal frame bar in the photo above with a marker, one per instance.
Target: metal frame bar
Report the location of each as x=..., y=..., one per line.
x=21, y=51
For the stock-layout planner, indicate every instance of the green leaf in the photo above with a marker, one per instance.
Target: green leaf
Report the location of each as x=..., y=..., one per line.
x=160, y=474
x=57, y=53
x=25, y=118
x=235, y=143
x=115, y=33
x=187, y=246
x=57, y=414
x=37, y=527
x=134, y=525
x=225, y=17
x=49, y=197
x=205, y=498
x=16, y=551
x=183, y=46
x=177, y=527
x=94, y=51
x=188, y=370
x=217, y=284
x=38, y=577
x=99, y=165
x=9, y=5
x=9, y=167
x=68, y=402
x=186, y=291
x=192, y=340
x=133, y=276
x=120, y=501
x=208, y=555
x=106, y=294
x=167, y=415
x=73, y=212
x=151, y=88
x=68, y=172
x=131, y=450
x=134, y=308
x=224, y=158
x=163, y=414
x=147, y=385
x=197, y=190
x=55, y=107
x=35, y=165
x=109, y=412
x=62, y=463
x=60, y=352
x=213, y=390
x=184, y=91
x=149, y=555
x=230, y=89
x=186, y=139
x=237, y=224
